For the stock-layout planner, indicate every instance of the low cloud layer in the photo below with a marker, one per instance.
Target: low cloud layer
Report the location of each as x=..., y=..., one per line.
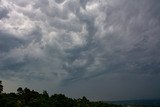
x=64, y=45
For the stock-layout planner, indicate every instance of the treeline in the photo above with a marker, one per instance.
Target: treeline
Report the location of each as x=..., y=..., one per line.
x=30, y=98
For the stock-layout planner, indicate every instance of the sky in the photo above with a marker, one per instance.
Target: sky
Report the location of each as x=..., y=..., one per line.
x=101, y=49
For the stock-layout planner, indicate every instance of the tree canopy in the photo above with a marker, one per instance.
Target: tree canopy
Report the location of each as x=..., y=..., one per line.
x=31, y=98
x=1, y=86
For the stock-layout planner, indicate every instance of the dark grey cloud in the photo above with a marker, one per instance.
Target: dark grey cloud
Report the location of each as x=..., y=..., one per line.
x=3, y=12
x=7, y=41
x=59, y=1
x=73, y=44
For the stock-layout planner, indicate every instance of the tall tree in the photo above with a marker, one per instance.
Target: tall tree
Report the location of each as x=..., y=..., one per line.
x=45, y=94
x=1, y=86
x=20, y=91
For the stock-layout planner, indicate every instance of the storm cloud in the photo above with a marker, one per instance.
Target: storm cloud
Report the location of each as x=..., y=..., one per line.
x=74, y=46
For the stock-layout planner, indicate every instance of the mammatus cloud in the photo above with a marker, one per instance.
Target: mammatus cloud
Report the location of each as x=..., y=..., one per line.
x=69, y=42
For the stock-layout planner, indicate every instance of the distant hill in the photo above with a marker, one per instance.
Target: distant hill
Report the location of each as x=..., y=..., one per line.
x=141, y=103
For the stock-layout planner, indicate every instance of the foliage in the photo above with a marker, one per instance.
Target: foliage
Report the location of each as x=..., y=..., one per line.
x=1, y=86
x=27, y=98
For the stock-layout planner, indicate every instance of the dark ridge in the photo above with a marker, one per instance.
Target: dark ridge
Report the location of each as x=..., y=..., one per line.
x=139, y=103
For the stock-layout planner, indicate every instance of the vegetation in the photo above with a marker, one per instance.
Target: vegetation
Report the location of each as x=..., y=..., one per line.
x=27, y=98
x=1, y=86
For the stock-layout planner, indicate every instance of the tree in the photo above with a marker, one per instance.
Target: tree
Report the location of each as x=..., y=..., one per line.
x=45, y=94
x=27, y=95
x=1, y=86
x=27, y=91
x=20, y=91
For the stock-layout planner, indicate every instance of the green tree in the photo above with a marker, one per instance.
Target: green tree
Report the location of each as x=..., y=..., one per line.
x=20, y=91
x=27, y=95
x=1, y=86
x=45, y=94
